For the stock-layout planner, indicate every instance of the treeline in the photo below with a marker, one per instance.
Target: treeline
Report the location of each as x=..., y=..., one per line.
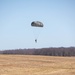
x=61, y=51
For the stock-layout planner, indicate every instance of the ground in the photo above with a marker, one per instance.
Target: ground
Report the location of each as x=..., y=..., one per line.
x=36, y=65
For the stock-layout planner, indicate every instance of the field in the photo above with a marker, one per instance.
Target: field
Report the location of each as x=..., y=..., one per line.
x=36, y=65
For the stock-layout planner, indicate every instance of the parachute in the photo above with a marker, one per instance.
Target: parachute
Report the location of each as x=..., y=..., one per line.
x=38, y=25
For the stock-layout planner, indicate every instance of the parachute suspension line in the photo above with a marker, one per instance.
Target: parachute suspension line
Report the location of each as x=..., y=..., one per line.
x=36, y=34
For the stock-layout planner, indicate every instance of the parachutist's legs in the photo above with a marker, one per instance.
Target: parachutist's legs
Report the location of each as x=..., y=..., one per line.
x=36, y=40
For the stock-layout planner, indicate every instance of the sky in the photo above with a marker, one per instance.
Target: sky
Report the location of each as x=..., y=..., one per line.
x=57, y=16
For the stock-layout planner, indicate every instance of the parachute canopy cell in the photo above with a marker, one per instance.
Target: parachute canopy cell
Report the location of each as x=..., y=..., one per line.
x=37, y=24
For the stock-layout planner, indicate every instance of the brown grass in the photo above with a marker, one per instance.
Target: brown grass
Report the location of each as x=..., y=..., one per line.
x=36, y=65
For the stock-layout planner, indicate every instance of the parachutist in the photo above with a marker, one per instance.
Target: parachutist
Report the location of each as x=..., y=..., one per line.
x=36, y=40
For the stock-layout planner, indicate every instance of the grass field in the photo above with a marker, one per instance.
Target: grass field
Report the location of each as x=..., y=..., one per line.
x=36, y=65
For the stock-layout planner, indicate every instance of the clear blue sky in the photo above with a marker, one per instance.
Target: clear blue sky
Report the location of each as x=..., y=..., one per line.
x=58, y=17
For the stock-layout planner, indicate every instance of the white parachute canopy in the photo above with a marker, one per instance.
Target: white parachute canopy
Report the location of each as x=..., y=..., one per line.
x=37, y=24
